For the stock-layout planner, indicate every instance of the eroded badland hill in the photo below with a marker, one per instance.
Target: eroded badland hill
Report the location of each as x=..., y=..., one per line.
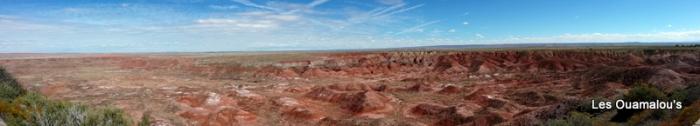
x=490, y=87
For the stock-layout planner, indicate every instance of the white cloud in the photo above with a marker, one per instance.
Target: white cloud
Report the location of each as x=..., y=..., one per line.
x=316, y=3
x=13, y=24
x=6, y=16
x=284, y=17
x=251, y=20
x=251, y=4
x=380, y=14
x=479, y=35
x=452, y=30
x=268, y=15
x=403, y=10
x=669, y=25
x=386, y=10
x=223, y=7
x=465, y=23
x=391, y=2
x=74, y=10
x=417, y=28
x=238, y=23
x=676, y=36
x=284, y=7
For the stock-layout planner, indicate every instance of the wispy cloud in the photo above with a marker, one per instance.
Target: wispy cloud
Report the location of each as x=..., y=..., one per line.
x=613, y=37
x=308, y=8
x=316, y=3
x=239, y=23
x=12, y=24
x=251, y=21
x=417, y=28
x=402, y=10
x=480, y=36
x=391, y=2
x=381, y=13
x=251, y=4
x=223, y=7
x=278, y=24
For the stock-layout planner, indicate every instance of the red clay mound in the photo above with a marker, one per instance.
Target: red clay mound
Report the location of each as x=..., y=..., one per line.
x=444, y=115
x=450, y=89
x=292, y=108
x=632, y=60
x=662, y=78
x=215, y=110
x=193, y=101
x=420, y=87
x=667, y=80
x=223, y=117
x=367, y=102
x=532, y=98
x=362, y=103
x=350, y=87
x=326, y=94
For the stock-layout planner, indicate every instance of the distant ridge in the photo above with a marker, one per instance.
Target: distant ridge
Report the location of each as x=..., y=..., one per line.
x=549, y=45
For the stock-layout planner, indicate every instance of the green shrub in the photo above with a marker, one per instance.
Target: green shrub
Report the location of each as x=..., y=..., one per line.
x=679, y=95
x=107, y=117
x=585, y=106
x=644, y=92
x=37, y=110
x=640, y=92
x=574, y=119
x=20, y=108
x=692, y=93
x=686, y=117
x=557, y=122
x=145, y=119
x=9, y=88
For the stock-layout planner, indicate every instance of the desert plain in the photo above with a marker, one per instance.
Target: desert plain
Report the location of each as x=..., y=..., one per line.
x=379, y=87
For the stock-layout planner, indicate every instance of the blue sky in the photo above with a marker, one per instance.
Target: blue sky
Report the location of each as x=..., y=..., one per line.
x=254, y=25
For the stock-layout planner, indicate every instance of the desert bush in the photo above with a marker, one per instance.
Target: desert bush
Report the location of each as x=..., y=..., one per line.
x=35, y=109
x=557, y=122
x=9, y=88
x=21, y=108
x=107, y=117
x=686, y=117
x=640, y=92
x=574, y=119
x=679, y=95
x=644, y=92
x=640, y=117
x=687, y=95
x=628, y=76
x=145, y=119
x=585, y=106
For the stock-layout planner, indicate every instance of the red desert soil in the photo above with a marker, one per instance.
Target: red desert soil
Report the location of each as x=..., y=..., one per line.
x=349, y=88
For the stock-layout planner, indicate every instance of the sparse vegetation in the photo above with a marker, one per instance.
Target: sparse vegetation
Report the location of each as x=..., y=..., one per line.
x=686, y=117
x=639, y=92
x=587, y=108
x=21, y=108
x=145, y=119
x=9, y=87
x=574, y=119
